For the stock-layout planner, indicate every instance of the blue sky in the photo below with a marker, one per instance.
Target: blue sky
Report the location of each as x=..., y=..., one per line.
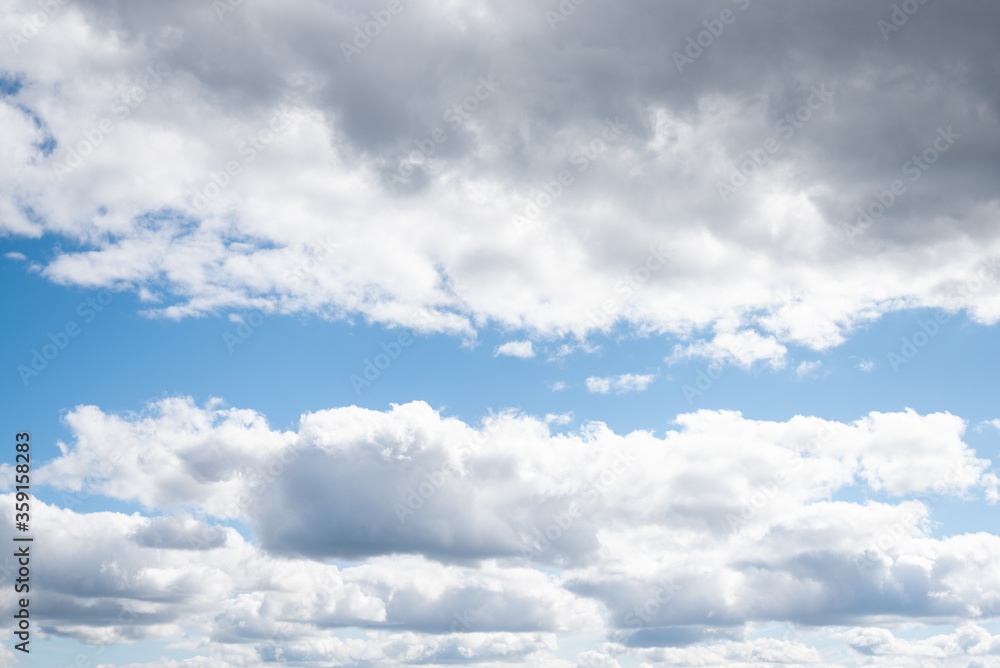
x=572, y=335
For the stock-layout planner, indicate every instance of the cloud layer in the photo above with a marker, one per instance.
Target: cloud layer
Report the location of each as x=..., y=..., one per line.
x=439, y=179
x=697, y=536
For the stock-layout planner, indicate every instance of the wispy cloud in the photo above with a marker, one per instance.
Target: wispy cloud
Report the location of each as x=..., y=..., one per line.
x=522, y=349
x=629, y=382
x=810, y=369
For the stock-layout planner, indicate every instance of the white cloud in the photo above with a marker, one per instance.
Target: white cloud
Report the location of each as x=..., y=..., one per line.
x=522, y=349
x=119, y=585
x=567, y=349
x=969, y=641
x=628, y=382
x=866, y=365
x=598, y=384
x=559, y=418
x=766, y=651
x=995, y=423
x=623, y=518
x=557, y=386
x=810, y=369
x=17, y=257
x=295, y=230
x=743, y=348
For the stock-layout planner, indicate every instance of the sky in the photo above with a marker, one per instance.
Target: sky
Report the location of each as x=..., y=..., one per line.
x=576, y=334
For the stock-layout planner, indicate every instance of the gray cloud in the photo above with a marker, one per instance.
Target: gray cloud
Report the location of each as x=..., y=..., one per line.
x=358, y=126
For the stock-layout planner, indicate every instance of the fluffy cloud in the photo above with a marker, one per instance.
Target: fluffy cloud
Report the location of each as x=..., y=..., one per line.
x=248, y=162
x=102, y=580
x=967, y=642
x=683, y=539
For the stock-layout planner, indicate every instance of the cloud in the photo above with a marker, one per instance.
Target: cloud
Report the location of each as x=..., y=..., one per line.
x=17, y=257
x=566, y=349
x=521, y=349
x=967, y=641
x=866, y=365
x=200, y=197
x=118, y=585
x=676, y=550
x=628, y=382
x=739, y=653
x=559, y=418
x=810, y=369
x=743, y=348
x=557, y=386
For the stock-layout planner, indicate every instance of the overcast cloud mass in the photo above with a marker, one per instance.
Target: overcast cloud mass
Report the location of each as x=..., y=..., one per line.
x=749, y=187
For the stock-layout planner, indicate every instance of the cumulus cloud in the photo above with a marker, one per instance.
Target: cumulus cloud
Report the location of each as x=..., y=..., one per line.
x=750, y=653
x=970, y=644
x=106, y=580
x=252, y=162
x=628, y=382
x=683, y=539
x=523, y=349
